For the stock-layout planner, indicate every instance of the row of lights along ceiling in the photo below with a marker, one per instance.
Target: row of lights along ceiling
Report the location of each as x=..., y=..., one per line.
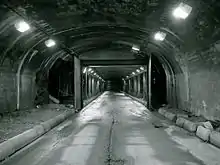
x=181, y=12
x=91, y=72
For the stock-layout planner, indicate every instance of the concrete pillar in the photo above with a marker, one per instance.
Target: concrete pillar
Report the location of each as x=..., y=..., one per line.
x=129, y=86
x=96, y=86
x=86, y=85
x=99, y=83
x=103, y=86
x=93, y=87
x=135, y=86
x=124, y=85
x=149, y=83
x=100, y=86
x=77, y=84
x=145, y=86
x=89, y=86
x=138, y=85
x=132, y=85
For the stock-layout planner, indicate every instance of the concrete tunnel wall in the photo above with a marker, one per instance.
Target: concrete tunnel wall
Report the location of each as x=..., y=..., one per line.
x=201, y=72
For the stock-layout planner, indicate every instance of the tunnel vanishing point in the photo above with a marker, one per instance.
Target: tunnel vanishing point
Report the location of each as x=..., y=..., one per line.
x=164, y=52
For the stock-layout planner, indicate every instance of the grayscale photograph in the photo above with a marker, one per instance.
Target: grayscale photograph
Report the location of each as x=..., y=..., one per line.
x=109, y=82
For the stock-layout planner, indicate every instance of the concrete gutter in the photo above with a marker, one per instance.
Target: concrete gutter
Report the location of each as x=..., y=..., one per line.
x=16, y=143
x=136, y=99
x=95, y=97
x=200, y=131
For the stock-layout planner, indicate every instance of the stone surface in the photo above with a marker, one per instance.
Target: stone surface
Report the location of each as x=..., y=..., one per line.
x=180, y=122
x=170, y=116
x=215, y=138
x=203, y=133
x=190, y=126
x=162, y=111
x=207, y=125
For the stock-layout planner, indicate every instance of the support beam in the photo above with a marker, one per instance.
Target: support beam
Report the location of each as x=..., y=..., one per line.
x=149, y=83
x=113, y=62
x=135, y=91
x=129, y=86
x=86, y=85
x=123, y=85
x=77, y=84
x=145, y=86
x=19, y=75
x=89, y=86
x=93, y=86
x=138, y=85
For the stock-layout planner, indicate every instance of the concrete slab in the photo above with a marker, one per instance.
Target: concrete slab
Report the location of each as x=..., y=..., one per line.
x=170, y=116
x=203, y=133
x=215, y=138
x=190, y=126
x=180, y=122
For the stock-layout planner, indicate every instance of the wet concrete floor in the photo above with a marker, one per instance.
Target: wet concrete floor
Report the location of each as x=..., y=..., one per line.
x=112, y=130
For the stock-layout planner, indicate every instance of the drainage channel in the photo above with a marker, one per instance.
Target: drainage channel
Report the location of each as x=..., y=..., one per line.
x=110, y=158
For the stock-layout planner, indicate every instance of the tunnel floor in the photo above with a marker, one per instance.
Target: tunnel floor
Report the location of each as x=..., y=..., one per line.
x=115, y=130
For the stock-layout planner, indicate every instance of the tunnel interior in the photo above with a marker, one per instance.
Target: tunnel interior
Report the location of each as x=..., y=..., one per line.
x=114, y=39
x=110, y=70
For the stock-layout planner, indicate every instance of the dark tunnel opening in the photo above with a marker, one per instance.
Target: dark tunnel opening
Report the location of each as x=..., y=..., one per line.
x=158, y=84
x=114, y=85
x=61, y=81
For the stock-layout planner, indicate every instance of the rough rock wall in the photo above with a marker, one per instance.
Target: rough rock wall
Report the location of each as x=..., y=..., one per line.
x=198, y=85
x=7, y=90
x=28, y=90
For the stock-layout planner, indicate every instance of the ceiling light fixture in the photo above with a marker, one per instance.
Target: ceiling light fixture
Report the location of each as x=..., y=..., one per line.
x=50, y=43
x=141, y=68
x=182, y=11
x=138, y=70
x=133, y=73
x=136, y=48
x=92, y=71
x=22, y=26
x=84, y=71
x=160, y=36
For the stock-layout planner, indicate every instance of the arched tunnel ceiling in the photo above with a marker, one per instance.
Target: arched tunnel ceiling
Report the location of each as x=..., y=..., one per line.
x=86, y=26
